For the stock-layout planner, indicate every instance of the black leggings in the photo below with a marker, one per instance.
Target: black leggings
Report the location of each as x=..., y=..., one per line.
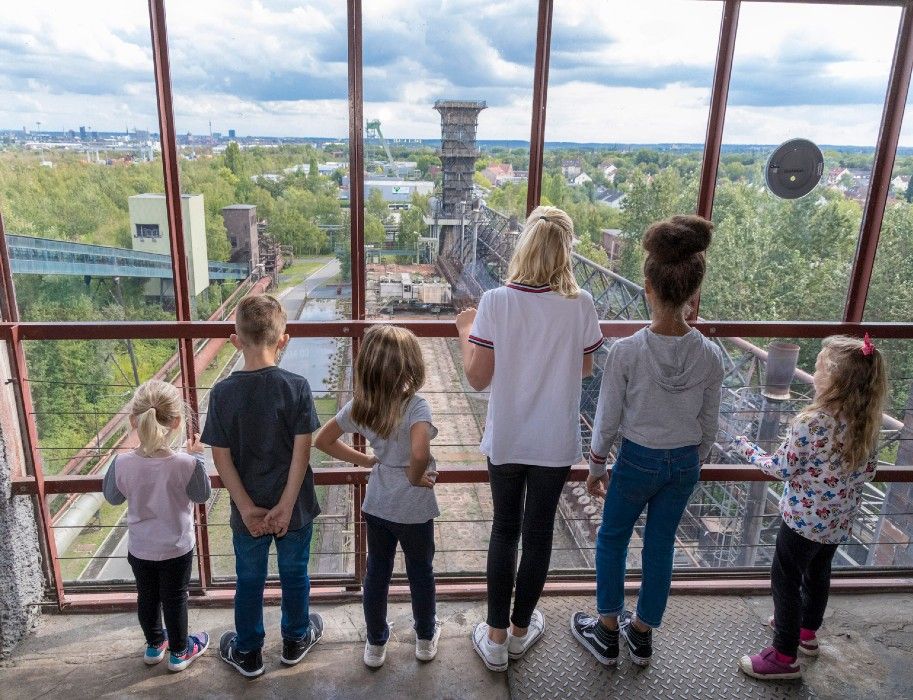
x=800, y=579
x=535, y=520
x=161, y=586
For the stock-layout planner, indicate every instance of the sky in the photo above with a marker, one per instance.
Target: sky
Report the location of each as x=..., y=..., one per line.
x=620, y=71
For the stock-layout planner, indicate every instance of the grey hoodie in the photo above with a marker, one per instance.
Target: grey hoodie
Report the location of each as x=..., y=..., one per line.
x=659, y=391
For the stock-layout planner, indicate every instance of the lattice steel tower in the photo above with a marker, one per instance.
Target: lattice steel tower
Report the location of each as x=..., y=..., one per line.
x=459, y=119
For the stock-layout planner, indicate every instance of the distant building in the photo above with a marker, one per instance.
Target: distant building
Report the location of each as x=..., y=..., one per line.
x=609, y=171
x=571, y=168
x=398, y=191
x=611, y=198
x=612, y=242
x=231, y=133
x=241, y=225
x=149, y=233
x=82, y=133
x=900, y=183
x=581, y=180
x=498, y=173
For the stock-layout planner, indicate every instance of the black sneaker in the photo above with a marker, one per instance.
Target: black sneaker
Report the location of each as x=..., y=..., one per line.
x=640, y=644
x=249, y=664
x=600, y=641
x=293, y=651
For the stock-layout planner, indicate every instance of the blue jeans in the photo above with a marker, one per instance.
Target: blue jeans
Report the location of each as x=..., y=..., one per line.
x=251, y=558
x=417, y=541
x=662, y=482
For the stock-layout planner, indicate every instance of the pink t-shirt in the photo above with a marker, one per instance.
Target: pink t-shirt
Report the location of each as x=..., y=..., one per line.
x=160, y=492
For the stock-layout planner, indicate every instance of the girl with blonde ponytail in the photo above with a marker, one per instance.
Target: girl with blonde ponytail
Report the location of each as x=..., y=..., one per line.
x=830, y=453
x=160, y=487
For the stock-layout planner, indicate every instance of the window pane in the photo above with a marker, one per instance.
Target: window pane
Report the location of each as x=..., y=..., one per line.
x=262, y=132
x=432, y=214
x=813, y=72
x=78, y=126
x=626, y=122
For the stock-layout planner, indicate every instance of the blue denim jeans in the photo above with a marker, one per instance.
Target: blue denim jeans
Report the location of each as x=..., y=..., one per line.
x=662, y=482
x=251, y=558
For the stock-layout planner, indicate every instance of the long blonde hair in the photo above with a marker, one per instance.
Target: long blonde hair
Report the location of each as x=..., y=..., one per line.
x=543, y=253
x=389, y=371
x=154, y=407
x=857, y=385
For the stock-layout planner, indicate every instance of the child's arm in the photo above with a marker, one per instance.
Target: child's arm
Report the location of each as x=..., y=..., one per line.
x=252, y=514
x=710, y=414
x=280, y=515
x=327, y=440
x=478, y=355
x=199, y=488
x=109, y=487
x=790, y=459
x=420, y=438
x=606, y=422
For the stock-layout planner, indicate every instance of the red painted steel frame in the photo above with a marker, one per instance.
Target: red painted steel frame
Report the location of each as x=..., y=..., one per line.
x=181, y=279
x=885, y=152
x=540, y=97
x=108, y=330
x=356, y=160
x=719, y=96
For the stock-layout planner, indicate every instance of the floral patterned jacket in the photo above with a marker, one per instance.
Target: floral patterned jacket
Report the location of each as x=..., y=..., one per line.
x=822, y=494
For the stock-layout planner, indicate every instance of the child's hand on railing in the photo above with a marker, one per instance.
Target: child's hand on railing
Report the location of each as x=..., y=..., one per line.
x=465, y=319
x=193, y=445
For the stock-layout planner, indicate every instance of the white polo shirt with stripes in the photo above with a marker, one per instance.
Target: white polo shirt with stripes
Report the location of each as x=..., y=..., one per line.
x=539, y=339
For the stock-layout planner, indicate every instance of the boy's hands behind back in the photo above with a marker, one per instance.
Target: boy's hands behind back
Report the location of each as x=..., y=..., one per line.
x=278, y=519
x=254, y=519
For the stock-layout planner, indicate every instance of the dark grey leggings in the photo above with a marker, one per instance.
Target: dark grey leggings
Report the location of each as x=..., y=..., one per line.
x=800, y=579
x=161, y=587
x=525, y=498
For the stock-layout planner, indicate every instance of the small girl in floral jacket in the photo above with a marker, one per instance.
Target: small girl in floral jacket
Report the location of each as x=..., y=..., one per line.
x=829, y=454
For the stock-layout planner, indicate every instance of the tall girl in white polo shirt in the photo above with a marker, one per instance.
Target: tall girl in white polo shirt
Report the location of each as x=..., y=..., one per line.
x=531, y=341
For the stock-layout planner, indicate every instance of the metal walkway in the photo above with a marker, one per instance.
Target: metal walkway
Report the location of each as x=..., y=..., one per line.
x=46, y=256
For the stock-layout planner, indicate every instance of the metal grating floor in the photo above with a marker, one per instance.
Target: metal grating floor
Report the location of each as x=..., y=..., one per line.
x=695, y=655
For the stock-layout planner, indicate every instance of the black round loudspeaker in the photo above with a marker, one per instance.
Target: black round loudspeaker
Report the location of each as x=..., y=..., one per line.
x=794, y=169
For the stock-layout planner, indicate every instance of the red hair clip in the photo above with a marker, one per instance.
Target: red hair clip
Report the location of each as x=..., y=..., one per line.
x=868, y=347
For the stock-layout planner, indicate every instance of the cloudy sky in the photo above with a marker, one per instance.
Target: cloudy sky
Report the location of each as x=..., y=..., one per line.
x=620, y=71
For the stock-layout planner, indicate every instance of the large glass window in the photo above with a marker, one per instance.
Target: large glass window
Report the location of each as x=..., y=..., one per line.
x=815, y=72
x=261, y=117
x=626, y=120
x=79, y=149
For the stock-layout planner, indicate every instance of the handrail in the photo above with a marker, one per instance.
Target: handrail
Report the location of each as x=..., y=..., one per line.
x=471, y=474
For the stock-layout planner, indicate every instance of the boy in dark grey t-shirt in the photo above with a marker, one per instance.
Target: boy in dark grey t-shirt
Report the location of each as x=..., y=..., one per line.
x=259, y=425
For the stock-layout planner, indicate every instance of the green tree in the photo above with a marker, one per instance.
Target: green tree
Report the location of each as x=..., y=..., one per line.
x=313, y=179
x=233, y=158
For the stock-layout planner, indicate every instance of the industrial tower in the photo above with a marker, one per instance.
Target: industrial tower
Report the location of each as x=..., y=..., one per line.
x=459, y=119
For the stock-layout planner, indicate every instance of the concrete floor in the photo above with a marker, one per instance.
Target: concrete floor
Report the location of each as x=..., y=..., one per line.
x=867, y=652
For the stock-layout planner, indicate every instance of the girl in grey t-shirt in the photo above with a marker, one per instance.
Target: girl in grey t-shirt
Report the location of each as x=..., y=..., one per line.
x=400, y=505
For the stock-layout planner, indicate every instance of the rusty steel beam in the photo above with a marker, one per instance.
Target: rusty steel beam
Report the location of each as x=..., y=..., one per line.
x=885, y=152
x=9, y=309
x=540, y=98
x=356, y=159
x=716, y=119
x=181, y=279
x=472, y=474
x=114, y=330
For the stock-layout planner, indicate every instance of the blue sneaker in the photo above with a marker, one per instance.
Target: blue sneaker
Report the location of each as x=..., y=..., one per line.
x=155, y=653
x=196, y=645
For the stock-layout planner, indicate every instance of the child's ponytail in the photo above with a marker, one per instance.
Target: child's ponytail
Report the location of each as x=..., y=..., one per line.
x=155, y=407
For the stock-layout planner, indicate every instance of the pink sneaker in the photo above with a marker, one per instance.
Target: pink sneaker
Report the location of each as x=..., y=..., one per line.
x=808, y=647
x=767, y=666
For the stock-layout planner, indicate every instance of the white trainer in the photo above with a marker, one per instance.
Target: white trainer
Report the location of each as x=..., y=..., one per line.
x=518, y=646
x=375, y=654
x=426, y=649
x=494, y=656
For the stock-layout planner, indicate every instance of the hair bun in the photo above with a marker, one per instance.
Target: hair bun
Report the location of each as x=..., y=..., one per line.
x=678, y=238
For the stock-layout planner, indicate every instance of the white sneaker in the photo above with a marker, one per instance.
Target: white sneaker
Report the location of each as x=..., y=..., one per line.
x=494, y=656
x=518, y=646
x=426, y=649
x=375, y=654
